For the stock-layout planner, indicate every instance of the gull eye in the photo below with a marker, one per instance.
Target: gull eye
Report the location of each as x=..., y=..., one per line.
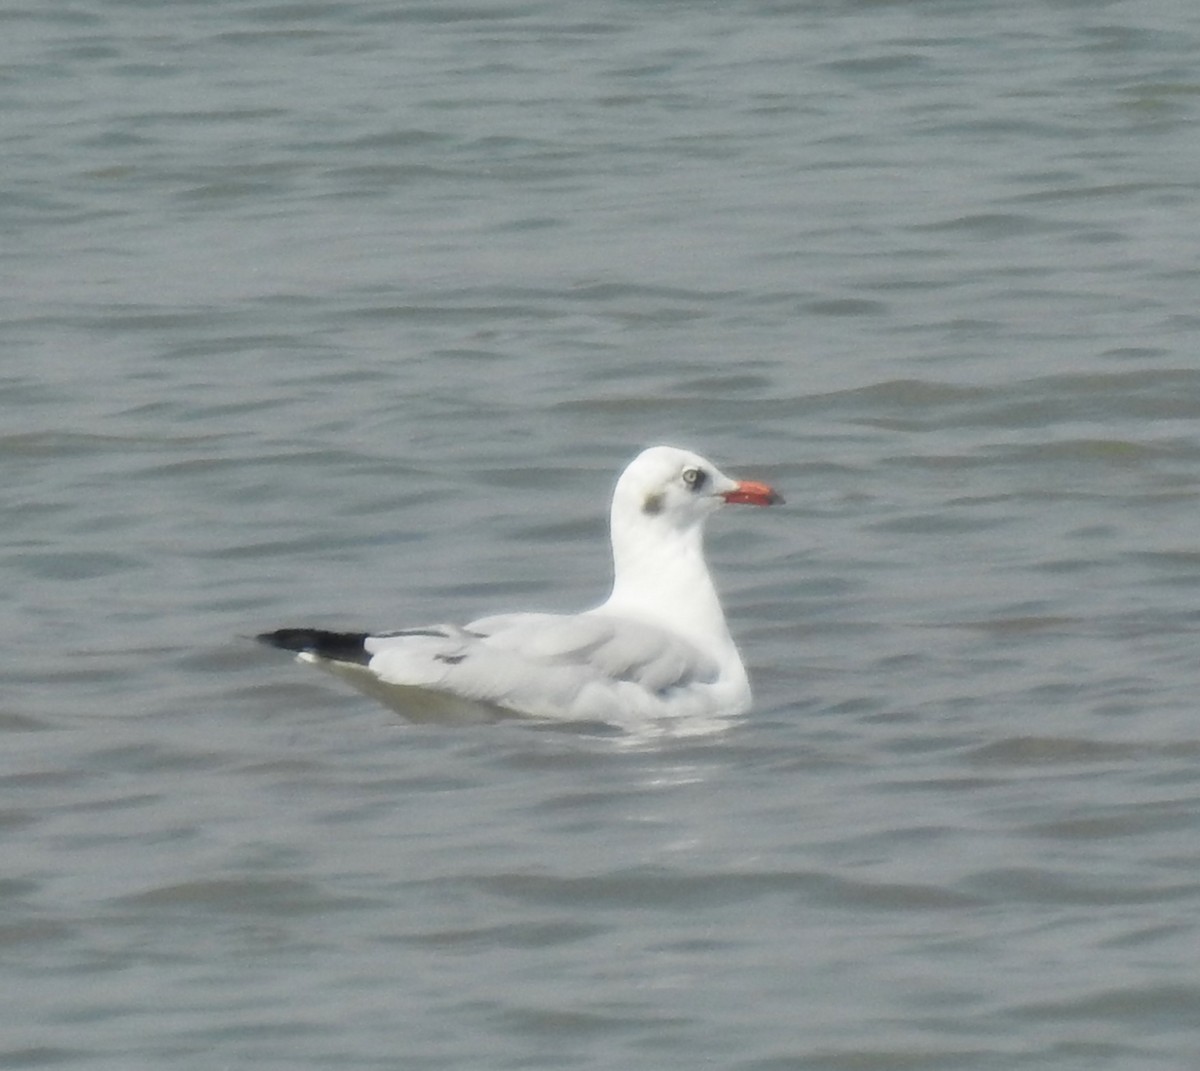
x=695, y=479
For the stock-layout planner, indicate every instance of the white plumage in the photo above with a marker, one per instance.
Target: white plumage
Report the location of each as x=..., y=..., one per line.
x=657, y=647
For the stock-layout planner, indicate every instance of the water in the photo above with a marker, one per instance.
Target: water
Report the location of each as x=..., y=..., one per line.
x=350, y=313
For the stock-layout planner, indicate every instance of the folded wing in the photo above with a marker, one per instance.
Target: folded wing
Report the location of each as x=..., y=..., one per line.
x=589, y=665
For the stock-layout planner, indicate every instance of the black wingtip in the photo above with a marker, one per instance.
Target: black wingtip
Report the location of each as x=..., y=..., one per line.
x=336, y=646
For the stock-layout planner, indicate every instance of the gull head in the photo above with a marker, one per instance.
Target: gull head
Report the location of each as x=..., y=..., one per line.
x=680, y=489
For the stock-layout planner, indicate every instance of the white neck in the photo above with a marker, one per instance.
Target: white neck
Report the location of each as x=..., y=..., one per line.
x=660, y=576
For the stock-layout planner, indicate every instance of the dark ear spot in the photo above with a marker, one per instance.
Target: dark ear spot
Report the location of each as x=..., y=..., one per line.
x=652, y=504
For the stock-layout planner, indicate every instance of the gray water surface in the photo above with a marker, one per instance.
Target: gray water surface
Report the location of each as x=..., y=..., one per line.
x=349, y=314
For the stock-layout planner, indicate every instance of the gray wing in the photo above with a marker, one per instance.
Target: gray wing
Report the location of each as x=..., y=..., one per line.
x=584, y=665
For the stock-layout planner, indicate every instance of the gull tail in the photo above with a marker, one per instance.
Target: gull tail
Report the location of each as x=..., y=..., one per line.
x=317, y=643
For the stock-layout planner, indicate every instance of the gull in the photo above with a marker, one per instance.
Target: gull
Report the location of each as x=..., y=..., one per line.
x=658, y=647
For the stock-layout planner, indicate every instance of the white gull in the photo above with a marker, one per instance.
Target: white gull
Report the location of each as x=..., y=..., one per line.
x=657, y=647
